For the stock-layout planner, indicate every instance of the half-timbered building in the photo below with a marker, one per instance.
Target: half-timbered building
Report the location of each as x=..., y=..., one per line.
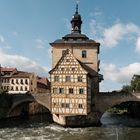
x=74, y=76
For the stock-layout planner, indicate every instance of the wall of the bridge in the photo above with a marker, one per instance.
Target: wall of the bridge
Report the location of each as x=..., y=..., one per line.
x=29, y=102
x=104, y=101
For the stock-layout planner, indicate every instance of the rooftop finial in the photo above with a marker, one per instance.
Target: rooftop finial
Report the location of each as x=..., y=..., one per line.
x=77, y=7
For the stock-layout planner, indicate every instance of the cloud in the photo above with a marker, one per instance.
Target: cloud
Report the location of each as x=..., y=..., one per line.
x=120, y=75
x=22, y=63
x=40, y=43
x=2, y=39
x=111, y=36
x=118, y=32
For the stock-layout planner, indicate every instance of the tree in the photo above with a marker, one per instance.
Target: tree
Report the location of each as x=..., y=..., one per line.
x=135, y=83
x=126, y=88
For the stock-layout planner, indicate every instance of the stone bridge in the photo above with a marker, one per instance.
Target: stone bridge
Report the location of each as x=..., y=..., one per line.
x=104, y=101
x=41, y=98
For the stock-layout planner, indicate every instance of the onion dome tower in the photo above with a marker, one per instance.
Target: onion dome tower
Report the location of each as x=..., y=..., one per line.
x=76, y=21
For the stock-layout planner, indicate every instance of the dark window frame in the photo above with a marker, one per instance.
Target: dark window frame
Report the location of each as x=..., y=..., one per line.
x=84, y=54
x=71, y=90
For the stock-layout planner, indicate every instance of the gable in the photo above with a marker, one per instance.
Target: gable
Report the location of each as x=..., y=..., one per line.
x=68, y=64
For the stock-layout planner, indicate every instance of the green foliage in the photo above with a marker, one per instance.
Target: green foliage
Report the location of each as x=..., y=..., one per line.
x=134, y=85
x=118, y=110
x=126, y=88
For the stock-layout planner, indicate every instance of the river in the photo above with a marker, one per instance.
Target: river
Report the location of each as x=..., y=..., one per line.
x=38, y=128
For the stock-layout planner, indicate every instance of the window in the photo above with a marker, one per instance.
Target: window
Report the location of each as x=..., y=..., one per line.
x=26, y=81
x=62, y=69
x=17, y=81
x=68, y=79
x=6, y=81
x=65, y=105
x=61, y=90
x=73, y=69
x=71, y=90
x=21, y=88
x=80, y=105
x=67, y=60
x=84, y=54
x=54, y=104
x=63, y=52
x=56, y=78
x=16, y=88
x=79, y=78
x=12, y=81
x=12, y=88
x=21, y=81
x=81, y=91
x=55, y=90
x=25, y=88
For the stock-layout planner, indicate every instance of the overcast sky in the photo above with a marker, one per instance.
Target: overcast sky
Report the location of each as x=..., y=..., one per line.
x=28, y=26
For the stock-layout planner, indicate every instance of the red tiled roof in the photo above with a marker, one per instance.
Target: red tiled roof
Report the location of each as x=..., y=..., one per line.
x=43, y=80
x=21, y=74
x=7, y=69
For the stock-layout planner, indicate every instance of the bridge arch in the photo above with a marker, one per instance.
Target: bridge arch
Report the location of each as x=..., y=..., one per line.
x=104, y=101
x=24, y=100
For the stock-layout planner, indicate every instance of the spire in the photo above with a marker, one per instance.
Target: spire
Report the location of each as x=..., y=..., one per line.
x=76, y=8
x=76, y=21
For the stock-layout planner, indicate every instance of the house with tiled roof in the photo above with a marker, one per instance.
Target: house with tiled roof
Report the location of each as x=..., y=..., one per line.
x=21, y=82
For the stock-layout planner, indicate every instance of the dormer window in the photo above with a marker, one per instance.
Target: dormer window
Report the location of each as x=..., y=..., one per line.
x=84, y=54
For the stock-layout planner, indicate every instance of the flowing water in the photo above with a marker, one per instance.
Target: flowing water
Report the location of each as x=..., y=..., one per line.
x=38, y=128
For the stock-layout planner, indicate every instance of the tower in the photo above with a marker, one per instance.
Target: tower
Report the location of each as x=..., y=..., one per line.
x=74, y=75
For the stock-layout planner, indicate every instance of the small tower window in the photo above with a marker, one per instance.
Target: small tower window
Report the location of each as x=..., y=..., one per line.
x=84, y=54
